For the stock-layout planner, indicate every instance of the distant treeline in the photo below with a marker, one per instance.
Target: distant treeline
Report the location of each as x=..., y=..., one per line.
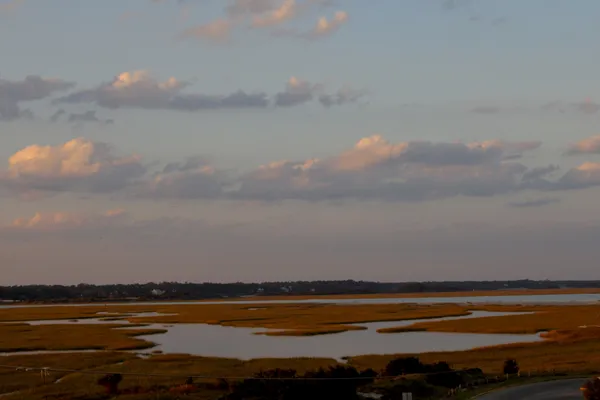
x=195, y=291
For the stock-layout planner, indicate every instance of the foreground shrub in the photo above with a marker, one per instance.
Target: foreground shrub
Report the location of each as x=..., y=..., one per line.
x=511, y=367
x=591, y=389
x=339, y=382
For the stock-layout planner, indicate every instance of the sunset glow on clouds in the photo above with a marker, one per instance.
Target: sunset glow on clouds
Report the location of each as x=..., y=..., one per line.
x=373, y=169
x=298, y=139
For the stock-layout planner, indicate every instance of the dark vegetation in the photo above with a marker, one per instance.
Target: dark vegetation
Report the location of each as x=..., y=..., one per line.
x=196, y=291
x=511, y=367
x=424, y=381
x=591, y=389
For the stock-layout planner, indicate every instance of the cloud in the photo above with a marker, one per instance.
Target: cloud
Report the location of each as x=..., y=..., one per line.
x=88, y=116
x=53, y=221
x=32, y=88
x=78, y=165
x=327, y=27
x=534, y=203
x=286, y=11
x=129, y=89
x=584, y=107
x=537, y=173
x=323, y=28
x=589, y=145
x=583, y=176
x=342, y=96
x=217, y=31
x=297, y=92
x=190, y=180
x=265, y=14
x=57, y=114
x=373, y=169
x=379, y=170
x=80, y=118
x=138, y=89
x=235, y=100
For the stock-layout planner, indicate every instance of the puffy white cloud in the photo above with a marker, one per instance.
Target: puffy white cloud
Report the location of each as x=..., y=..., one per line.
x=78, y=165
x=68, y=220
x=589, y=145
x=32, y=88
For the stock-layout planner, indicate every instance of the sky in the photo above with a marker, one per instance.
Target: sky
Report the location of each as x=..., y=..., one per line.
x=275, y=140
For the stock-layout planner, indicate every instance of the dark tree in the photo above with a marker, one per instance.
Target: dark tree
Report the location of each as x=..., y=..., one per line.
x=322, y=384
x=404, y=366
x=111, y=383
x=511, y=367
x=440, y=366
x=591, y=389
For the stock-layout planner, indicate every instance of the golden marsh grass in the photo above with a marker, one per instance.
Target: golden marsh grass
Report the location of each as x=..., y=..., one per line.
x=23, y=337
x=542, y=318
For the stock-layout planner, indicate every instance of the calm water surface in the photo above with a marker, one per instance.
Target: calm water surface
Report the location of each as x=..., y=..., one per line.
x=517, y=299
x=234, y=342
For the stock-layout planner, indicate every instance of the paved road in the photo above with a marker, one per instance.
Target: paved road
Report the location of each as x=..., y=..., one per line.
x=567, y=389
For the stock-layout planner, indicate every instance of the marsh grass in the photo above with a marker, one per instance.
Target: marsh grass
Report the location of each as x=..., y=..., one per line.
x=80, y=385
x=569, y=348
x=12, y=380
x=293, y=318
x=15, y=338
x=542, y=318
x=306, y=319
x=573, y=355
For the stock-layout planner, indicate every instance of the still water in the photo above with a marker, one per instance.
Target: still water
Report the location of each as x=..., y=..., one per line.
x=242, y=343
x=234, y=342
x=580, y=298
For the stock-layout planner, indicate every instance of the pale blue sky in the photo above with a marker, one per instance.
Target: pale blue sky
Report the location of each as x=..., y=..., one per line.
x=424, y=68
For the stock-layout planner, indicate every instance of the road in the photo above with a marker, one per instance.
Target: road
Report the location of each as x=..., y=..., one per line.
x=566, y=389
